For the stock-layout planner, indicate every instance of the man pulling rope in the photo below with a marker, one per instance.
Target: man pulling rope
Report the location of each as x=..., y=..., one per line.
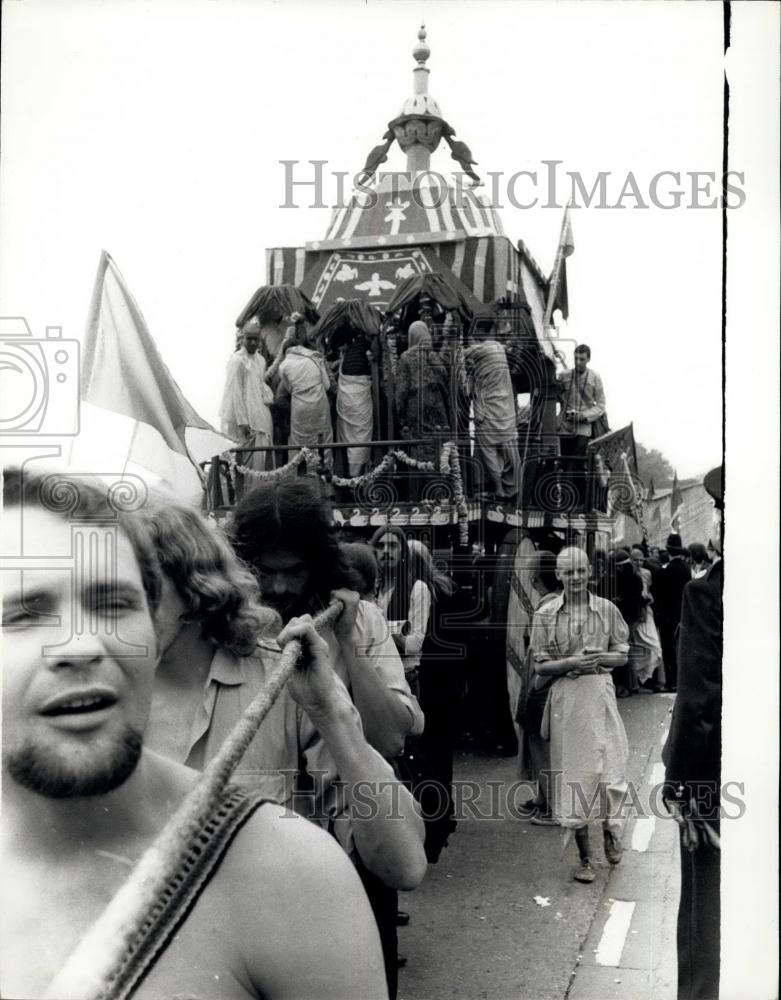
x=83, y=801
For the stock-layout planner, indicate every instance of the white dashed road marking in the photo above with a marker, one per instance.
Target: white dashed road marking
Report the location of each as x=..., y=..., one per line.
x=643, y=832
x=611, y=944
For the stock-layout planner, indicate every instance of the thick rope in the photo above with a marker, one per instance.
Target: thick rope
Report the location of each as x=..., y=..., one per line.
x=94, y=961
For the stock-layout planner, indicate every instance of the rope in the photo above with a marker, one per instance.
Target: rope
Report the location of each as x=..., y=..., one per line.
x=94, y=961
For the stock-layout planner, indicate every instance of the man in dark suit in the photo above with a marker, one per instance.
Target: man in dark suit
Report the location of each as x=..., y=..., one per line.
x=669, y=596
x=692, y=755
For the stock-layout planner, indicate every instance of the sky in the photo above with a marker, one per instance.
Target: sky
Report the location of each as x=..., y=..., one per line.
x=156, y=132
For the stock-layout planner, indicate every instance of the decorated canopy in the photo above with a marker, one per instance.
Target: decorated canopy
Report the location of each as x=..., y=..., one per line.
x=443, y=288
x=275, y=302
x=343, y=320
x=405, y=224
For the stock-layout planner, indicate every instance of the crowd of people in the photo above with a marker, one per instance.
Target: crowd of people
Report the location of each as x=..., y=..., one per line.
x=280, y=388
x=106, y=727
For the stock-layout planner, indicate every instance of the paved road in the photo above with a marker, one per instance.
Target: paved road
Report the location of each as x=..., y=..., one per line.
x=478, y=933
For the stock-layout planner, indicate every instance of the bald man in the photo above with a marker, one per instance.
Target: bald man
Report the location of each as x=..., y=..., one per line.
x=578, y=639
x=245, y=412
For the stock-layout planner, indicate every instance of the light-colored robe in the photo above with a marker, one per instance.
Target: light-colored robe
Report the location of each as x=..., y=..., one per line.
x=245, y=403
x=304, y=376
x=588, y=744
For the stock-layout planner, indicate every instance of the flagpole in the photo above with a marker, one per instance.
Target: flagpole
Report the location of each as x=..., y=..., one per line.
x=555, y=277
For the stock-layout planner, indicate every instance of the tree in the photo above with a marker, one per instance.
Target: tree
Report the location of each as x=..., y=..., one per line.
x=652, y=464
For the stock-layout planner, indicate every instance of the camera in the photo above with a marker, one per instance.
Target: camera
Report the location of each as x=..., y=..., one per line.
x=39, y=381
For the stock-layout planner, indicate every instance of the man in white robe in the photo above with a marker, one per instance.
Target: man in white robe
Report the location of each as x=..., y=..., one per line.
x=245, y=413
x=354, y=406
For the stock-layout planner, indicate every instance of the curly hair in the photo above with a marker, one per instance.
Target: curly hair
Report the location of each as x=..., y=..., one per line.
x=292, y=515
x=219, y=591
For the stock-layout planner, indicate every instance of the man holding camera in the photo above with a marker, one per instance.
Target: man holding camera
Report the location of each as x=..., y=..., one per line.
x=582, y=415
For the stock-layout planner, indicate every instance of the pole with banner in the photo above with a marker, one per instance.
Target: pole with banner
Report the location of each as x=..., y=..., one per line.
x=676, y=505
x=558, y=277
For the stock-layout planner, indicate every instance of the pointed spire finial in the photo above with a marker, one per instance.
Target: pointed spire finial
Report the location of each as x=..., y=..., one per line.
x=421, y=52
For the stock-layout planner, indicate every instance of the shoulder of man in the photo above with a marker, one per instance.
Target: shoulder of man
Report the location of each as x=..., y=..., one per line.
x=236, y=360
x=255, y=876
x=268, y=842
x=548, y=610
x=605, y=606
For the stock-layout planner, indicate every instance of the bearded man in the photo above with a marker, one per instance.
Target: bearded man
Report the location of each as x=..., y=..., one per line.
x=83, y=799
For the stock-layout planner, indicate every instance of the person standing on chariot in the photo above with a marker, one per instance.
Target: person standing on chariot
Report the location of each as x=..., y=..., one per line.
x=493, y=404
x=578, y=639
x=271, y=337
x=583, y=410
x=304, y=380
x=354, y=407
x=582, y=415
x=422, y=393
x=245, y=415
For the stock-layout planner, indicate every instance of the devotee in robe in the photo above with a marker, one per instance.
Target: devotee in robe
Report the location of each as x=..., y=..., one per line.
x=578, y=639
x=422, y=393
x=354, y=408
x=305, y=382
x=245, y=414
x=493, y=405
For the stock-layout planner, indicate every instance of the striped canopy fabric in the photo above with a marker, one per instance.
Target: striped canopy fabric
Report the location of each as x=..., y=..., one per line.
x=401, y=229
x=490, y=267
x=398, y=211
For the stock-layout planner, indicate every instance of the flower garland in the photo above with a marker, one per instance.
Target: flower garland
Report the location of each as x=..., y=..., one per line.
x=386, y=465
x=449, y=465
x=258, y=475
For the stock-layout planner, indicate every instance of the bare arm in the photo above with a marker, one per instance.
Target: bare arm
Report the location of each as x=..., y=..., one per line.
x=386, y=718
x=588, y=662
x=301, y=922
x=385, y=825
